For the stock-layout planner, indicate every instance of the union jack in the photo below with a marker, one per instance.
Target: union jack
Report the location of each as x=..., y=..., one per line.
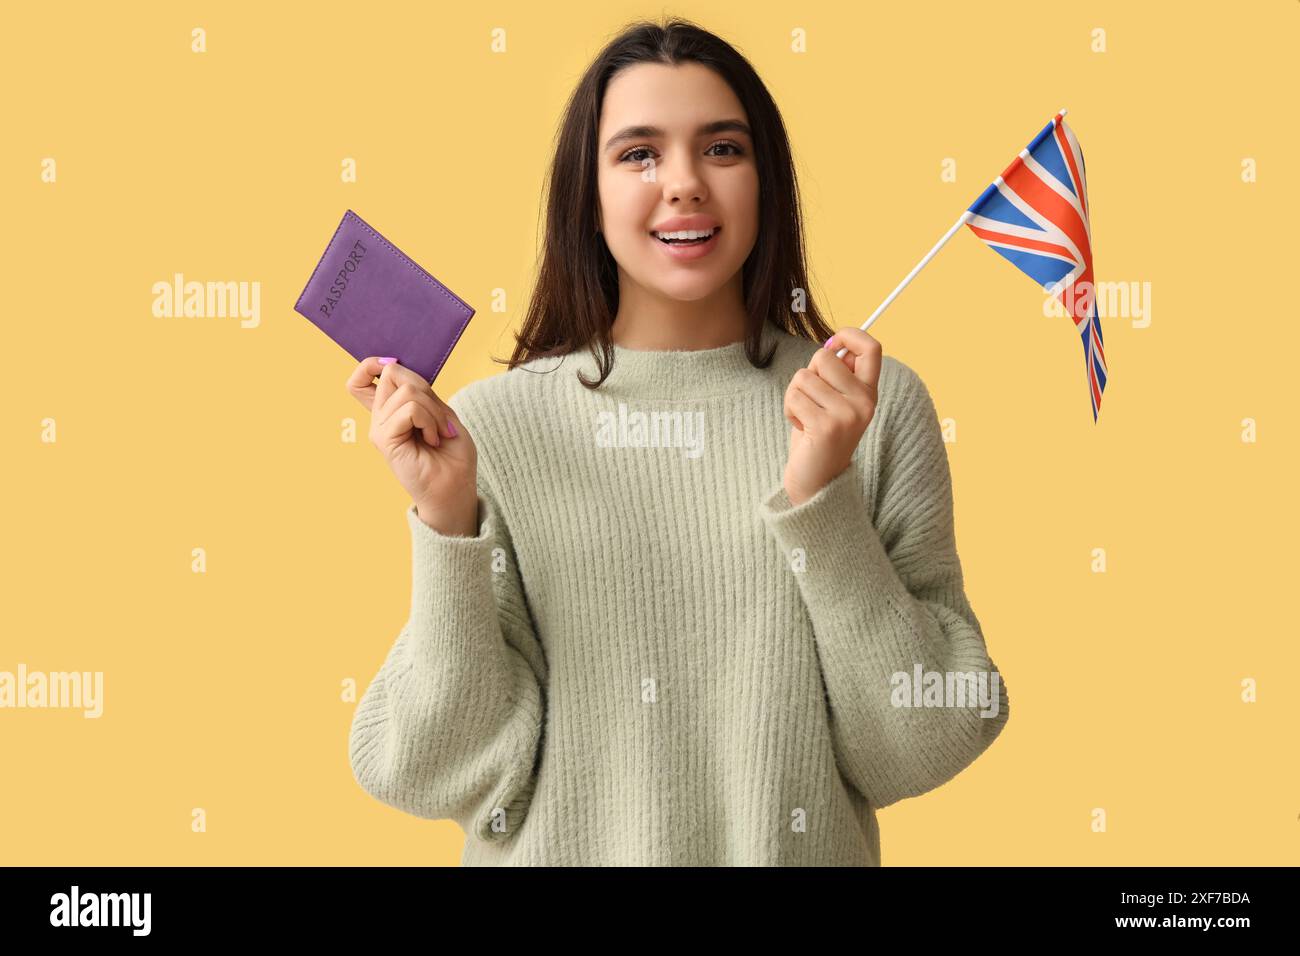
x=1035, y=215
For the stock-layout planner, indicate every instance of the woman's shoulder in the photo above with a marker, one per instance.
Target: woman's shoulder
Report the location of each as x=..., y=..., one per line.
x=899, y=380
x=527, y=391
x=905, y=409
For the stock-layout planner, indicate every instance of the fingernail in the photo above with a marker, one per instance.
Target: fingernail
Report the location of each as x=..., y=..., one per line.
x=387, y=360
x=827, y=342
x=451, y=427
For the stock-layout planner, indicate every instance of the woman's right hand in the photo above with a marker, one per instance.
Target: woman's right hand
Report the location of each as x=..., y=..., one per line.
x=425, y=444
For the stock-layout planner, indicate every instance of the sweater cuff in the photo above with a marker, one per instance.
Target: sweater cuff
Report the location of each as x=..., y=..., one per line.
x=845, y=568
x=451, y=575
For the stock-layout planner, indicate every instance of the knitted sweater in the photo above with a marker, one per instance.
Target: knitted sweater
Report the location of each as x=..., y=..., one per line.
x=649, y=656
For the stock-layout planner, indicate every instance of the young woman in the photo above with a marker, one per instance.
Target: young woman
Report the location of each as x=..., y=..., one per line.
x=695, y=598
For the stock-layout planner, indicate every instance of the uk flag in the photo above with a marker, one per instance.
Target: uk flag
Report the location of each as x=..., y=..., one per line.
x=1035, y=215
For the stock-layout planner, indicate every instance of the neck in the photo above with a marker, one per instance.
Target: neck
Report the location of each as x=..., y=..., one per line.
x=677, y=373
x=647, y=320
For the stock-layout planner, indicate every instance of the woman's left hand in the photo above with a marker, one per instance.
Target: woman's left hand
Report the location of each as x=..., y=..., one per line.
x=830, y=403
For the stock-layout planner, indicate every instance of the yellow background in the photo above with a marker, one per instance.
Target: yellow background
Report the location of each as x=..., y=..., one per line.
x=222, y=690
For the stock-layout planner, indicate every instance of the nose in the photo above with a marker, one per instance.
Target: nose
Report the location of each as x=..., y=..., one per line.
x=682, y=182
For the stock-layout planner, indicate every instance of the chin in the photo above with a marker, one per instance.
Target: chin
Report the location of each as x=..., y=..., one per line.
x=689, y=288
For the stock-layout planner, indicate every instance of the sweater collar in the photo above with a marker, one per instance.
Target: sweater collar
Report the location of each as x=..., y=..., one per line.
x=687, y=373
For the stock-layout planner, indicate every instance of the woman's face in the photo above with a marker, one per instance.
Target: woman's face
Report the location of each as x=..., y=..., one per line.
x=674, y=144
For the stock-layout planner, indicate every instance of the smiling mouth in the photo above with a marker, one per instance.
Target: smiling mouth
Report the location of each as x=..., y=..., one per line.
x=690, y=242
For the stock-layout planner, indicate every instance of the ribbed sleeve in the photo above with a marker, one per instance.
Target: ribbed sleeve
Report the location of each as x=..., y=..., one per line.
x=450, y=727
x=883, y=600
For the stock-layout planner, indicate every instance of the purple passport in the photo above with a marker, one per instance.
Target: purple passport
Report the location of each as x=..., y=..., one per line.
x=372, y=299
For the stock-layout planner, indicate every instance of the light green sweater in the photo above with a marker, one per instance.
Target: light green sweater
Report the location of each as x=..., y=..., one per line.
x=647, y=656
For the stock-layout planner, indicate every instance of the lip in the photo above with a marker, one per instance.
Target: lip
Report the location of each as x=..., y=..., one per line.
x=699, y=222
x=687, y=253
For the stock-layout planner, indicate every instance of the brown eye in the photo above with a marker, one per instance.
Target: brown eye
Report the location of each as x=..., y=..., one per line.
x=628, y=155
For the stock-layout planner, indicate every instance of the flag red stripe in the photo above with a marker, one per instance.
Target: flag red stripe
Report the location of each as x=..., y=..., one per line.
x=1051, y=206
x=1084, y=299
x=1092, y=384
x=1010, y=240
x=1079, y=191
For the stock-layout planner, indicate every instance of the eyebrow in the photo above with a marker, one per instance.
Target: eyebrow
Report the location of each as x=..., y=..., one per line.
x=649, y=132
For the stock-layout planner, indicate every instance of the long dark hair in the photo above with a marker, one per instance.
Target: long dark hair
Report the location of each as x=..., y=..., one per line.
x=576, y=297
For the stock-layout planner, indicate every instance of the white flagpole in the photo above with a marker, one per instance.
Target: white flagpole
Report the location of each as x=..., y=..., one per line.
x=965, y=216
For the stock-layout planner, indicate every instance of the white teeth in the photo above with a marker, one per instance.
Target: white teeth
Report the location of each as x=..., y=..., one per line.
x=685, y=234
